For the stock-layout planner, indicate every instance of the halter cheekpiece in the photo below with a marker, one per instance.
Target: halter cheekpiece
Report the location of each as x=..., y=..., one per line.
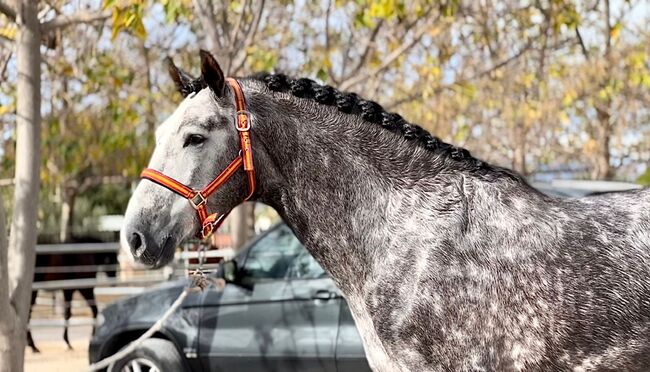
x=198, y=198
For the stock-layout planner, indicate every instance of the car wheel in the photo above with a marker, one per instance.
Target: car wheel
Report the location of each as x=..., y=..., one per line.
x=153, y=355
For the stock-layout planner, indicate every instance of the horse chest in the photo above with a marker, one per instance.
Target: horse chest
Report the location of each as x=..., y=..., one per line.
x=376, y=353
x=432, y=330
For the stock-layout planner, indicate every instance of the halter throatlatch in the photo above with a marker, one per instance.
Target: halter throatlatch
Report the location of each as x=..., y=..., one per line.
x=198, y=198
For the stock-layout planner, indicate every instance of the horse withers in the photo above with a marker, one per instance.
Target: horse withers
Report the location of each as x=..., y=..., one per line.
x=448, y=263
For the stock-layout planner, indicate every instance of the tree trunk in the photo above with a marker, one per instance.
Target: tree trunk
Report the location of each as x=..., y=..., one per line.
x=519, y=149
x=242, y=224
x=22, y=241
x=602, y=168
x=68, y=197
x=8, y=319
x=150, y=115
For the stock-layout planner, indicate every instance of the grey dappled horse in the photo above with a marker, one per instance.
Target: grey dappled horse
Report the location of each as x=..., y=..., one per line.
x=448, y=263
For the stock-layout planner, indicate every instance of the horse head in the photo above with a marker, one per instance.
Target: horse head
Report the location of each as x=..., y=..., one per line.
x=194, y=145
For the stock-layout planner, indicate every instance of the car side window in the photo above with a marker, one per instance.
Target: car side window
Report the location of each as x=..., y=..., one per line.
x=305, y=267
x=272, y=256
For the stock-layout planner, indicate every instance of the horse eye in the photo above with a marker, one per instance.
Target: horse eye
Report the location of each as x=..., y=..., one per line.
x=194, y=140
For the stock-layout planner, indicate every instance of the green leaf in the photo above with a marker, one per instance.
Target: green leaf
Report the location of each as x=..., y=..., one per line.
x=322, y=74
x=644, y=179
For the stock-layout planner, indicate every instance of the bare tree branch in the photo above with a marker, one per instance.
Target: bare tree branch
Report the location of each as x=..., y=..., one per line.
x=413, y=95
x=353, y=77
x=235, y=33
x=82, y=16
x=392, y=57
x=345, y=54
x=250, y=37
x=51, y=5
x=506, y=61
x=608, y=29
x=252, y=31
x=225, y=25
x=3, y=65
x=370, y=44
x=7, y=10
x=232, y=39
x=205, y=12
x=582, y=44
x=328, y=11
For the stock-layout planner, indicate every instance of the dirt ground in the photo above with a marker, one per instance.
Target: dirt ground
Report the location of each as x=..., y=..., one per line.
x=54, y=355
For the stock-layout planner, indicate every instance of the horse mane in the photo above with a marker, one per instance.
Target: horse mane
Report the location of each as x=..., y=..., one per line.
x=351, y=103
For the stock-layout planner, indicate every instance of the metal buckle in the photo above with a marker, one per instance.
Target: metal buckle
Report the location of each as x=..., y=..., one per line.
x=197, y=203
x=247, y=127
x=206, y=230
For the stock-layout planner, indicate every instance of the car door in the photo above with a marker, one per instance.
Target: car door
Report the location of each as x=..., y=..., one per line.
x=350, y=354
x=282, y=315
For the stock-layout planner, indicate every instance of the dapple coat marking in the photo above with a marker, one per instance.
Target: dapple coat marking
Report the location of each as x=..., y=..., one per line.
x=447, y=263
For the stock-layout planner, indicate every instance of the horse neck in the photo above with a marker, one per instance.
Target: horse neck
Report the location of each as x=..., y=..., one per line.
x=345, y=186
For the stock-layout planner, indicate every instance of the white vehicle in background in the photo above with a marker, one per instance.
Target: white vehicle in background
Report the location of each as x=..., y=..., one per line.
x=578, y=188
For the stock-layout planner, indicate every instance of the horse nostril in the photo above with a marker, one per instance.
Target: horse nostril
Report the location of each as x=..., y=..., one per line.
x=137, y=244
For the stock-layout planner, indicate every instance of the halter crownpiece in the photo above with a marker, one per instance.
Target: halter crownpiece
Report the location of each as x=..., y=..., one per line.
x=198, y=198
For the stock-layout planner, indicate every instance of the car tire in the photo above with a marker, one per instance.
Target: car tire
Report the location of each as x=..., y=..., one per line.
x=153, y=354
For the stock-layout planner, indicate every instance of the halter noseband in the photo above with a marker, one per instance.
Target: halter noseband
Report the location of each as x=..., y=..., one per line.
x=198, y=198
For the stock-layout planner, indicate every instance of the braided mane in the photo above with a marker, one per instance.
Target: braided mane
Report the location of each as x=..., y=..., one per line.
x=351, y=103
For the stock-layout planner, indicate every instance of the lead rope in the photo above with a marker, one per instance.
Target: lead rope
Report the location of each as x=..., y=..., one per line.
x=198, y=276
x=197, y=283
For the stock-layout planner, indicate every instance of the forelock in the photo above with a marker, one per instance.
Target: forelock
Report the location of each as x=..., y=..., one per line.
x=197, y=108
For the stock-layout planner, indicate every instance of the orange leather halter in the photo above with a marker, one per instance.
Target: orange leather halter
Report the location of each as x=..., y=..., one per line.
x=198, y=198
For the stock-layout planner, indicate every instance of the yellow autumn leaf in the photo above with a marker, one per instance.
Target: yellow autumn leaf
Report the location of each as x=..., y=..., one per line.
x=569, y=96
x=590, y=147
x=327, y=63
x=564, y=117
x=5, y=109
x=8, y=32
x=435, y=72
x=616, y=30
x=528, y=79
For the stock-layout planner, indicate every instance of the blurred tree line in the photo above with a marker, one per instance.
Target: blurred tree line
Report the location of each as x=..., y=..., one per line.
x=554, y=87
x=551, y=88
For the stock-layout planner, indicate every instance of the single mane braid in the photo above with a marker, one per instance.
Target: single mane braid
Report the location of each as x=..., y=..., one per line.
x=351, y=103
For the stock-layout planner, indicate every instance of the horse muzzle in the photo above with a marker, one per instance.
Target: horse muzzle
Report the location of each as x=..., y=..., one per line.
x=148, y=250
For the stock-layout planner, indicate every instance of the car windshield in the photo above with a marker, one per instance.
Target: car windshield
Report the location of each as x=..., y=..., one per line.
x=273, y=255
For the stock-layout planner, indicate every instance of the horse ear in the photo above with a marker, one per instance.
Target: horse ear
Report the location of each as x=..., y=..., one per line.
x=183, y=81
x=212, y=74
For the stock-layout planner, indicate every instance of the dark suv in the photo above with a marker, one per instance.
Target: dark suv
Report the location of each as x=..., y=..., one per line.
x=279, y=312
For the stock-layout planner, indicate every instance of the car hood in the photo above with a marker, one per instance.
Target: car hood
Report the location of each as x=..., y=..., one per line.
x=137, y=310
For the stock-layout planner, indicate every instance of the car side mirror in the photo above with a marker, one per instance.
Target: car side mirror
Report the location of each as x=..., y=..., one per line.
x=230, y=271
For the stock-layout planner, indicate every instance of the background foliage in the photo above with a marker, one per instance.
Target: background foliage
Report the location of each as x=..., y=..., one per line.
x=552, y=88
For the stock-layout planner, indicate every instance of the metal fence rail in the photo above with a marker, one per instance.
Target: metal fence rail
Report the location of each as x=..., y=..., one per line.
x=93, y=282
x=108, y=288
x=77, y=248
